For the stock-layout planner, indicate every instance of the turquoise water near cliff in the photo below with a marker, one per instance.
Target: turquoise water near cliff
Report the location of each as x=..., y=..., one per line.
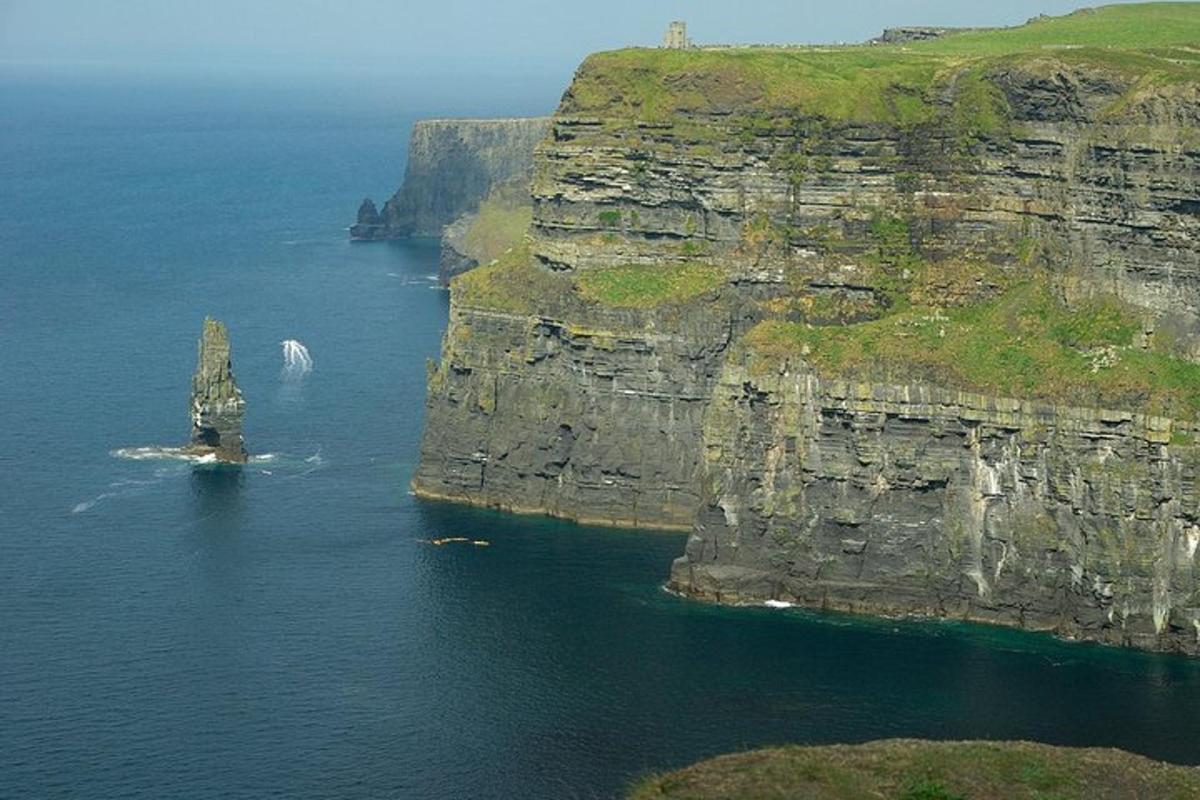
x=283, y=630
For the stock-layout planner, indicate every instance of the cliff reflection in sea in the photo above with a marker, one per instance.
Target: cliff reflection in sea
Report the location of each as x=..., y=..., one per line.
x=279, y=629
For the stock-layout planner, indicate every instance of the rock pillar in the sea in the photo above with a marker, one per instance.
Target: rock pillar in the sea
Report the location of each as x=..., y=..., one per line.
x=217, y=402
x=369, y=224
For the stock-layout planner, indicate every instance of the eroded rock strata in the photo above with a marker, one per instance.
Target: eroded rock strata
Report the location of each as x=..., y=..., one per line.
x=217, y=405
x=893, y=329
x=898, y=499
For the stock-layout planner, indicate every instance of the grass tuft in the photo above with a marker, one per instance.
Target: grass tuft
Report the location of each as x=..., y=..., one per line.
x=647, y=286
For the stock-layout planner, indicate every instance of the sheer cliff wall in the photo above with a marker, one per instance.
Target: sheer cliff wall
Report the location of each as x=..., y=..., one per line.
x=916, y=338
x=895, y=499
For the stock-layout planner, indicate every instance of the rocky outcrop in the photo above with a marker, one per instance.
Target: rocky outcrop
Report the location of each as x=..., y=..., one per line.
x=455, y=257
x=452, y=165
x=368, y=224
x=916, y=33
x=217, y=403
x=916, y=492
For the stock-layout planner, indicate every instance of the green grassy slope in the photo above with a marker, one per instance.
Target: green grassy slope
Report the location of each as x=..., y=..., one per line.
x=1149, y=43
x=1131, y=26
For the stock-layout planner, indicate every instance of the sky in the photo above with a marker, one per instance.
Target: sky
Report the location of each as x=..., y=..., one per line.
x=439, y=44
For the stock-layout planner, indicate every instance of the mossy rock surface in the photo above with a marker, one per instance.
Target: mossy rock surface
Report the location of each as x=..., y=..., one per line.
x=904, y=769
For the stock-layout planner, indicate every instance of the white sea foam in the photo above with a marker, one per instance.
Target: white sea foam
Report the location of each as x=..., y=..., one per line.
x=161, y=454
x=777, y=604
x=88, y=505
x=122, y=488
x=296, y=359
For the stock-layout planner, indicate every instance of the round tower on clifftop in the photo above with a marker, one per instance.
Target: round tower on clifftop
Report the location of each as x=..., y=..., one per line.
x=676, y=37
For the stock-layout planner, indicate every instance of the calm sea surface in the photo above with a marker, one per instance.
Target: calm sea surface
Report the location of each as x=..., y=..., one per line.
x=282, y=630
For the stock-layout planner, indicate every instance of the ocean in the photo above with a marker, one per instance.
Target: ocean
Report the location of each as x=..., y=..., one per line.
x=286, y=629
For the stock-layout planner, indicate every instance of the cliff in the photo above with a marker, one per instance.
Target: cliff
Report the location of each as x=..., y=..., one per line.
x=452, y=166
x=901, y=329
x=217, y=403
x=922, y=770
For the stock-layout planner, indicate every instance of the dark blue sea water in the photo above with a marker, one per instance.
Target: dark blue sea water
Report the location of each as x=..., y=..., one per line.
x=282, y=630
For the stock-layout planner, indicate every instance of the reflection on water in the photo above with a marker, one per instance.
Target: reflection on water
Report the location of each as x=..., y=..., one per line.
x=217, y=493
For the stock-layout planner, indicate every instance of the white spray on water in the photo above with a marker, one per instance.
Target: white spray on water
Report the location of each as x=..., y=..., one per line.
x=296, y=361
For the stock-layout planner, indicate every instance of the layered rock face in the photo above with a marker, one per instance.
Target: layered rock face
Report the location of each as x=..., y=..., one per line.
x=714, y=258
x=1098, y=179
x=597, y=419
x=217, y=403
x=452, y=165
x=900, y=499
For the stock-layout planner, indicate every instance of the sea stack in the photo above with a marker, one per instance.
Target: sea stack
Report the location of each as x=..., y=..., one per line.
x=217, y=402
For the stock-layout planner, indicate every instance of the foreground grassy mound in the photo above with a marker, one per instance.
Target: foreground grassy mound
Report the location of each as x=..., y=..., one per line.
x=917, y=770
x=1151, y=44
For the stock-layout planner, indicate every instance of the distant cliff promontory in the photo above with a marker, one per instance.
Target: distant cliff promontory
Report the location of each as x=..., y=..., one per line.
x=461, y=170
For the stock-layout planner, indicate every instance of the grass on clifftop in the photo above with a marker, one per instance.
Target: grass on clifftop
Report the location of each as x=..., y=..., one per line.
x=1128, y=26
x=1147, y=43
x=1024, y=344
x=512, y=283
x=915, y=770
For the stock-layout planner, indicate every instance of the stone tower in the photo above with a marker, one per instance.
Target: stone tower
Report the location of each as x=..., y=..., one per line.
x=676, y=38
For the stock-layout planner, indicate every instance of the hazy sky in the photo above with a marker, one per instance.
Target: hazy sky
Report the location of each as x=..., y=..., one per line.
x=443, y=41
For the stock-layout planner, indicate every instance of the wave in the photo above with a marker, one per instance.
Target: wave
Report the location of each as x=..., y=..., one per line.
x=296, y=359
x=181, y=454
x=429, y=281
x=778, y=604
x=163, y=454
x=122, y=488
